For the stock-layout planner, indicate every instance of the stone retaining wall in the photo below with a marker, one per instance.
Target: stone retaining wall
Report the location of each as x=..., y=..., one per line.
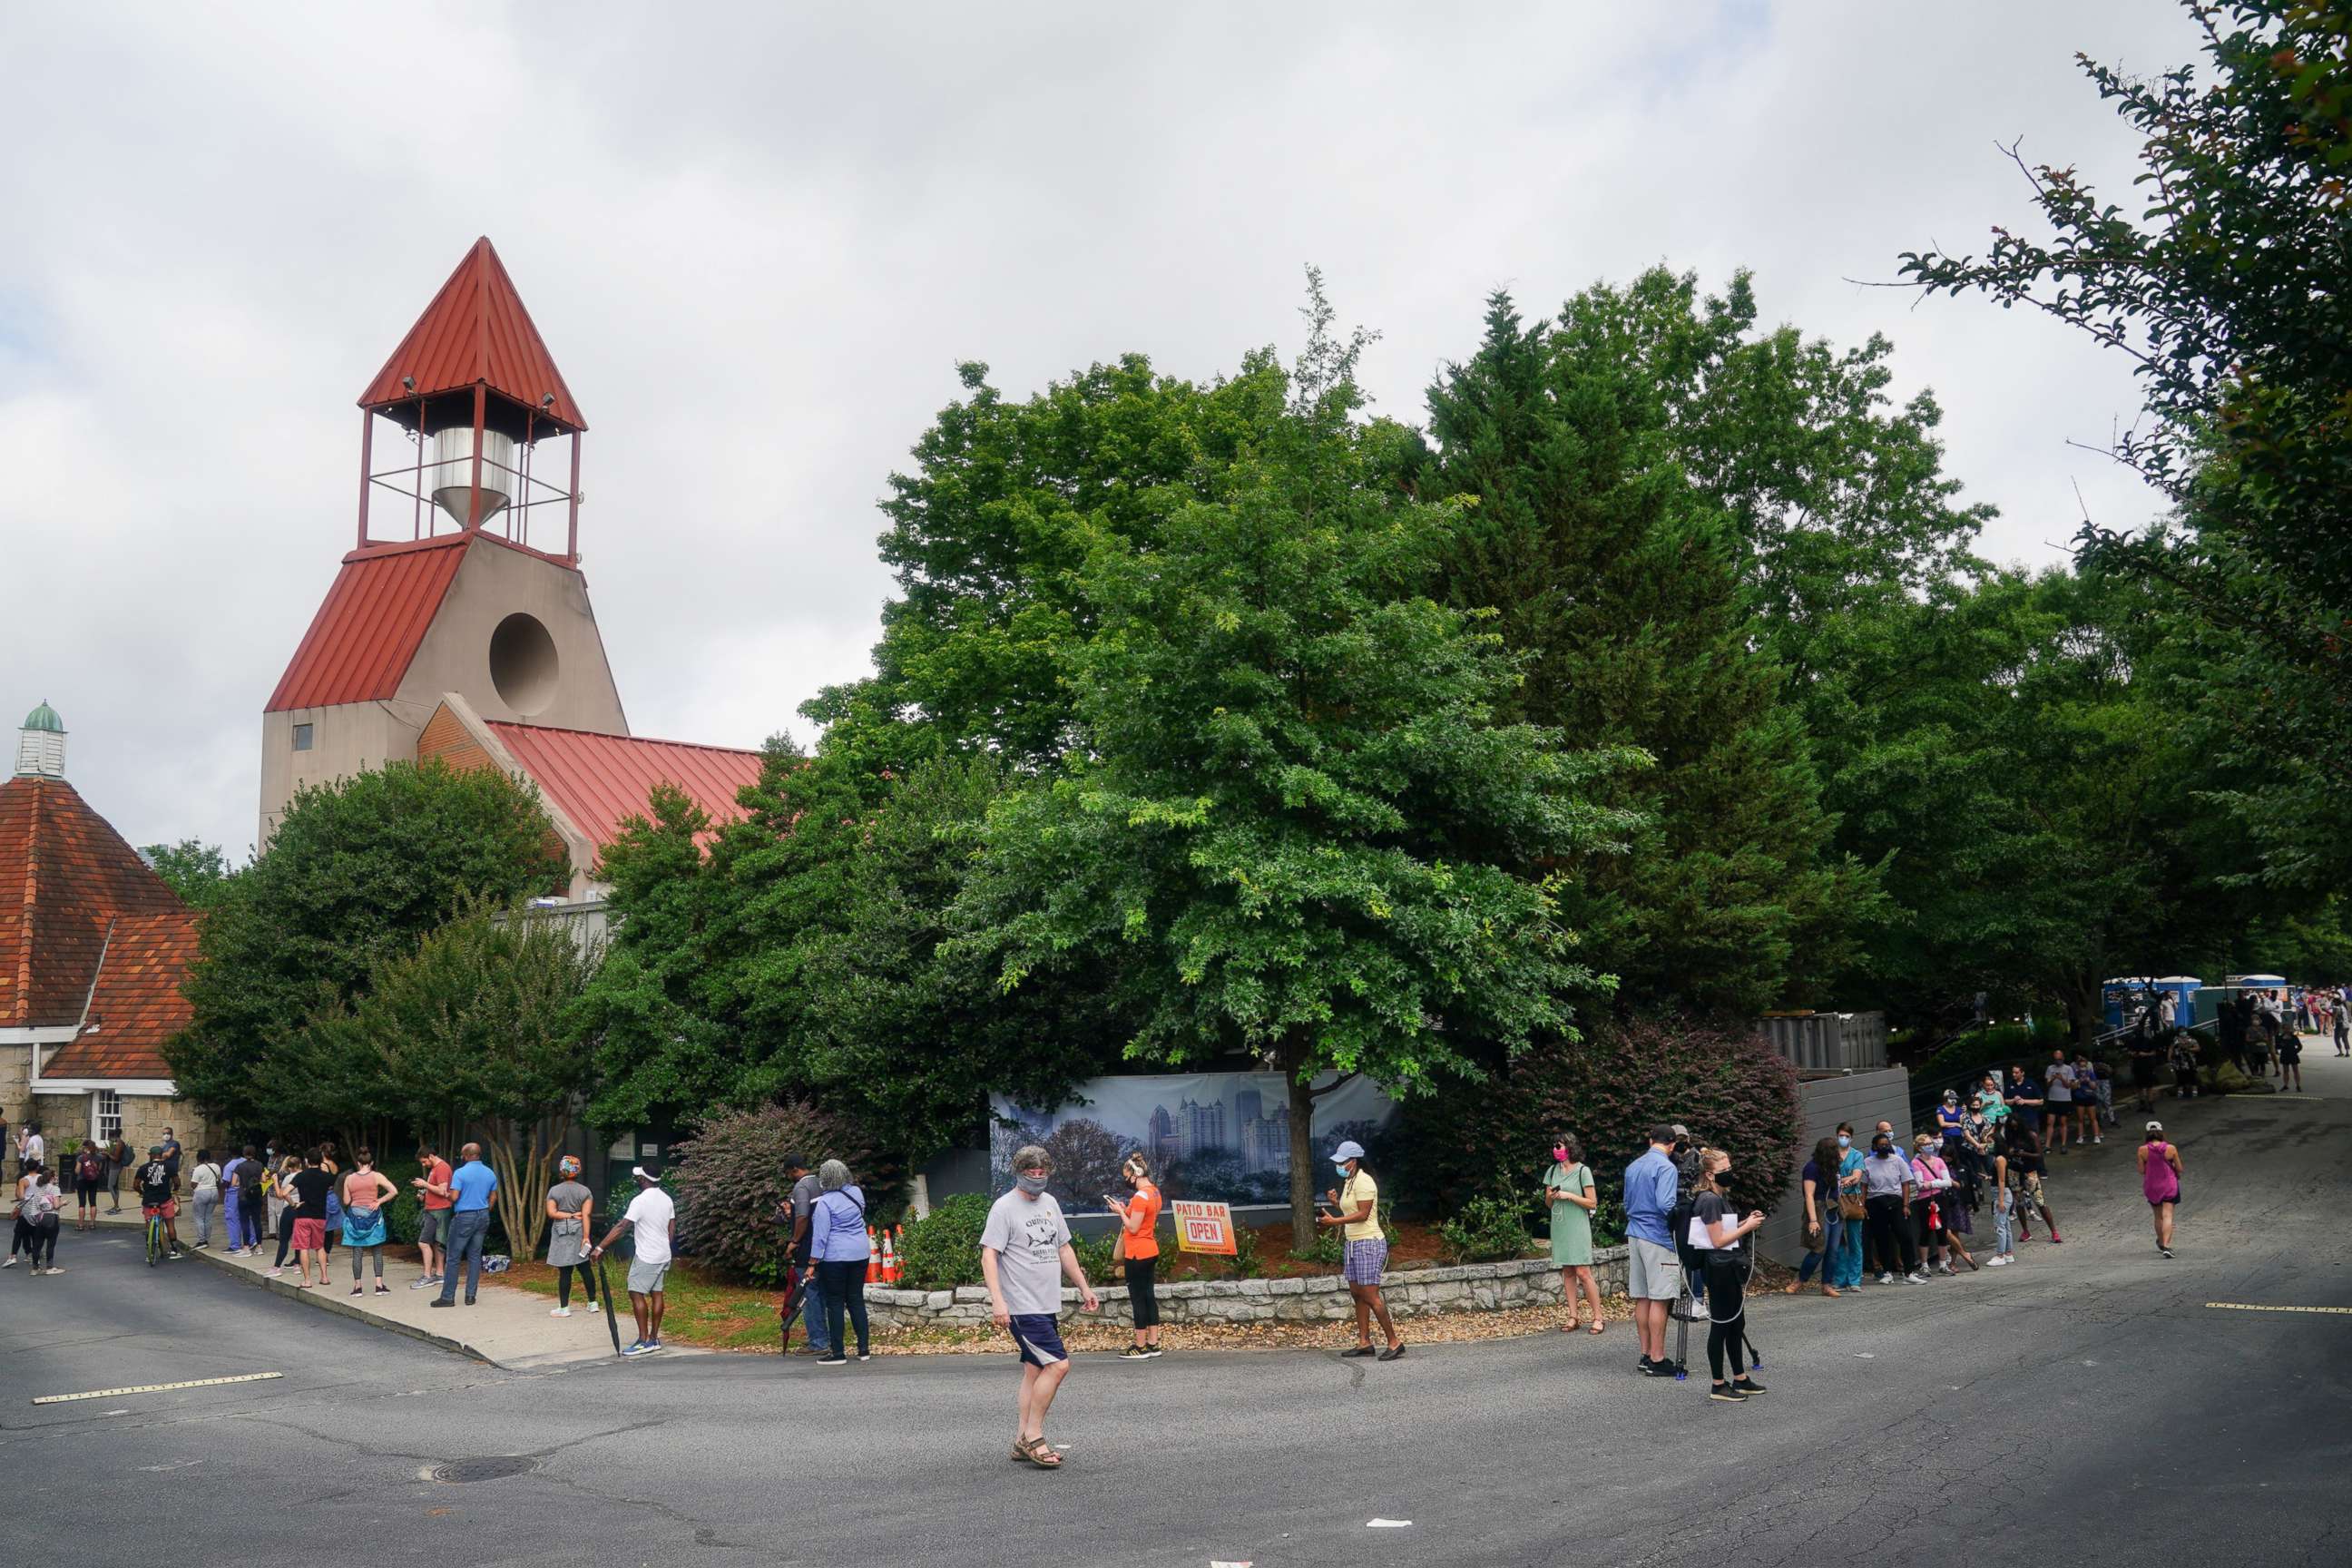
x=1410, y=1292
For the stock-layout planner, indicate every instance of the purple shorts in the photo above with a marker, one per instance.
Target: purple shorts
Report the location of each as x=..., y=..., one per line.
x=1362, y=1262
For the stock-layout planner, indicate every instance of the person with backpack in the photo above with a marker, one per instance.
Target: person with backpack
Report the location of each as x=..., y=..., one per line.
x=1721, y=1244
x=252, y=1200
x=90, y=1171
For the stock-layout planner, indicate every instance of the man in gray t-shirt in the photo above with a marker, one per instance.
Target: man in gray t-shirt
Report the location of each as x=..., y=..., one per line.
x=805, y=1192
x=1024, y=1251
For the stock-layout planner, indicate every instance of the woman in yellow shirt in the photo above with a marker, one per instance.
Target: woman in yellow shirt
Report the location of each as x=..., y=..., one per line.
x=1365, y=1251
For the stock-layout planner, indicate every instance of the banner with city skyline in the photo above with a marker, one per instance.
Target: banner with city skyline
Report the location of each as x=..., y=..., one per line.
x=1215, y=1137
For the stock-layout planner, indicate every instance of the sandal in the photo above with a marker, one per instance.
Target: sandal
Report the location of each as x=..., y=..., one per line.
x=1597, y=1326
x=1036, y=1451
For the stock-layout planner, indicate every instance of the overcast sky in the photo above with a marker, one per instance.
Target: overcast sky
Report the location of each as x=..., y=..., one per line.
x=758, y=239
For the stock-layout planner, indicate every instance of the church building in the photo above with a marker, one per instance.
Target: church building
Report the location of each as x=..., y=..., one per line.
x=471, y=638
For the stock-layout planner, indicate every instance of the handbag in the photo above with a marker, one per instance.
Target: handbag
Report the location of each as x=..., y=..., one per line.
x=1119, y=1244
x=1851, y=1206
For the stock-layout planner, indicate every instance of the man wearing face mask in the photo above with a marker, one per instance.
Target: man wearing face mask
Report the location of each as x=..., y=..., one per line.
x=1024, y=1251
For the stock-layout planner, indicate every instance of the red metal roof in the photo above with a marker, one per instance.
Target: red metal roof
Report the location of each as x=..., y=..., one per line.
x=476, y=329
x=65, y=875
x=370, y=623
x=136, y=1004
x=599, y=781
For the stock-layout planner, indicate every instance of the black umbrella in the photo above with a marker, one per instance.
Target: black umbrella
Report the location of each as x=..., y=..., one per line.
x=604, y=1288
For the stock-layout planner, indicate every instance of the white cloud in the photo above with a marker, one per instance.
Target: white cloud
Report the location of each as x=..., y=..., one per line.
x=758, y=241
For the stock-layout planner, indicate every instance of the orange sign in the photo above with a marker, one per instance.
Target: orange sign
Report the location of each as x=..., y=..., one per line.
x=1203, y=1227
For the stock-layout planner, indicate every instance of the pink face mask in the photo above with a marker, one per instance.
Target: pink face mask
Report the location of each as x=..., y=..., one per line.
x=1559, y=1153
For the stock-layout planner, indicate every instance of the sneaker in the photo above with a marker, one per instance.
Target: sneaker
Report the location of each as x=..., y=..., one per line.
x=2166, y=1250
x=1153, y=1351
x=1727, y=1393
x=276, y=1272
x=381, y=1288
x=1915, y=1279
x=1997, y=1262
x=1748, y=1385
x=636, y=1347
x=2055, y=1238
x=552, y=1312
x=865, y=1356
x=10, y=1264
x=1946, y=1266
x=421, y=1281
x=1135, y=1352
x=836, y=1359
x=1646, y=1367
x=1887, y=1279
x=357, y=1291
x=2098, y=1142
x=440, y=1302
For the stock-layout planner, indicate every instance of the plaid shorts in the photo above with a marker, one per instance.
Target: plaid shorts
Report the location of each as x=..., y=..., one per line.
x=1362, y=1262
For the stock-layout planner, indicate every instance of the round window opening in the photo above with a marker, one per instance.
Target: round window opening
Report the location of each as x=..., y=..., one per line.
x=523, y=664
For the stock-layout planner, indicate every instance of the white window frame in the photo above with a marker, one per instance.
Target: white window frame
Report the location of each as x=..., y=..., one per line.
x=98, y=1115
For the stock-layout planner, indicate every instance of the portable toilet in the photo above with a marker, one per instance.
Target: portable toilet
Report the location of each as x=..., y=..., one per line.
x=2125, y=996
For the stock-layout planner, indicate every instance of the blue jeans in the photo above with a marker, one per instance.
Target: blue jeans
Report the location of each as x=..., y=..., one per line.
x=812, y=1303
x=1845, y=1267
x=463, y=1240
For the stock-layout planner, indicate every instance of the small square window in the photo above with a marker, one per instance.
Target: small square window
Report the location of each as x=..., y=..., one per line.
x=110, y=1115
x=301, y=736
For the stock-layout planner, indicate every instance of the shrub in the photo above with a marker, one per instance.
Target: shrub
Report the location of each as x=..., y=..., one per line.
x=1329, y=1245
x=1494, y=1139
x=730, y=1183
x=1488, y=1230
x=1247, y=1262
x=943, y=1251
x=1094, y=1257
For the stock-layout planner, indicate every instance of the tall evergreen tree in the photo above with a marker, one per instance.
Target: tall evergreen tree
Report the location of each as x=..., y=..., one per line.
x=1620, y=583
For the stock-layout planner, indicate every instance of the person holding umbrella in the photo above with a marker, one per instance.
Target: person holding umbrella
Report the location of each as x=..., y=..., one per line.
x=650, y=1214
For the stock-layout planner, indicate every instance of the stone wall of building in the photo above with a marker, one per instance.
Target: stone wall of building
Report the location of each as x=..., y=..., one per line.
x=1319, y=1298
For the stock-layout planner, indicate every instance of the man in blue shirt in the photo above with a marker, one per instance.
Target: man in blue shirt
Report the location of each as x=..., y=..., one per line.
x=472, y=1185
x=1653, y=1274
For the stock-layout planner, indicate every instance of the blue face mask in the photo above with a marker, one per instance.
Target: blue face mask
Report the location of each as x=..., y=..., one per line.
x=1845, y=1142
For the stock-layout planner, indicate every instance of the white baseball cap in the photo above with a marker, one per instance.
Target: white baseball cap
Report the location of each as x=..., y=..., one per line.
x=1350, y=1149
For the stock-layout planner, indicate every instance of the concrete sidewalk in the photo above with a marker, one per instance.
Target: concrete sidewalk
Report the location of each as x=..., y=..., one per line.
x=505, y=1327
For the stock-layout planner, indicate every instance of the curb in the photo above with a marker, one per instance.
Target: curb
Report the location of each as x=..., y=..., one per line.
x=328, y=1303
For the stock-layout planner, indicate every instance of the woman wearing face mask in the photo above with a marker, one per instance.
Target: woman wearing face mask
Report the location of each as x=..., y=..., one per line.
x=1846, y=1256
x=1819, y=1184
x=1888, y=1187
x=1569, y=1190
x=1722, y=1241
x=1138, y=1241
x=1364, y=1253
x=1936, y=1209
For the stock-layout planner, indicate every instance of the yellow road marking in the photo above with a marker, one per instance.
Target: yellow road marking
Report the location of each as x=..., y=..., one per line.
x=157, y=1387
x=2252, y=1307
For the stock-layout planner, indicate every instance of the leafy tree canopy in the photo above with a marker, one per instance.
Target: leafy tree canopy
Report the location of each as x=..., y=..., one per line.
x=196, y=870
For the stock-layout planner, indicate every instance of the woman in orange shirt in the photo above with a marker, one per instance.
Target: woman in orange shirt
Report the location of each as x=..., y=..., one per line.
x=1139, y=1245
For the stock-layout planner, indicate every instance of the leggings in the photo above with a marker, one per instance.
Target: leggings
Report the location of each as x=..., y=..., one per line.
x=1726, y=1312
x=44, y=1242
x=24, y=1240
x=285, y=1235
x=844, y=1289
x=359, y=1253
x=1890, y=1237
x=1142, y=1273
x=564, y=1272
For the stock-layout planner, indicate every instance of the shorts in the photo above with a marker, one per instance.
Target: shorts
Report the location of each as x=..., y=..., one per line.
x=1652, y=1272
x=85, y=1191
x=168, y=1209
x=310, y=1235
x=1039, y=1335
x=646, y=1279
x=435, y=1221
x=1363, y=1262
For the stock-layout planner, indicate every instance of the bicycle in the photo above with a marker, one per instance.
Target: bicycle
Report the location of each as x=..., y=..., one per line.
x=155, y=1246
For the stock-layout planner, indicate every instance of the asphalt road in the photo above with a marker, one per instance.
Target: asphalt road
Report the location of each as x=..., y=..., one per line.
x=2086, y=1404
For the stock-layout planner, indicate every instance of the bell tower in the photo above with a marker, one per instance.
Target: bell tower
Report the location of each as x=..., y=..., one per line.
x=481, y=595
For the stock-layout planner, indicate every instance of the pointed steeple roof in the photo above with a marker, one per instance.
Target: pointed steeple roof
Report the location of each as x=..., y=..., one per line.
x=476, y=331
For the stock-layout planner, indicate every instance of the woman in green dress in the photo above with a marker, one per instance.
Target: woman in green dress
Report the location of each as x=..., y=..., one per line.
x=1569, y=1190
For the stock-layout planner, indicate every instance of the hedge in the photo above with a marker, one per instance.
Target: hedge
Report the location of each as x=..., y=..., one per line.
x=730, y=1184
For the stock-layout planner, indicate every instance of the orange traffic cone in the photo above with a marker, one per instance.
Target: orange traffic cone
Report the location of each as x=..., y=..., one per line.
x=873, y=1260
x=889, y=1261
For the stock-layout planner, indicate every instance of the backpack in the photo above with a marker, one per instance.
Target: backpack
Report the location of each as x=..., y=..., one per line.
x=1678, y=1225
x=89, y=1168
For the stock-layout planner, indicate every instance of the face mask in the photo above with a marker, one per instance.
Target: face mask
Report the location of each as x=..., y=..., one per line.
x=1845, y=1142
x=1032, y=1185
x=1881, y=1148
x=1559, y=1153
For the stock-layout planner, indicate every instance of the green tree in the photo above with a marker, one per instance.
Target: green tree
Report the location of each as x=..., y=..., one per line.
x=1620, y=581
x=1295, y=827
x=357, y=873
x=475, y=1029
x=196, y=870
x=2225, y=290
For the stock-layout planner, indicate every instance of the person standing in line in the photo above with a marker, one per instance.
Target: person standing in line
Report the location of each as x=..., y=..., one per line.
x=2086, y=1100
x=1653, y=1272
x=806, y=1190
x=1364, y=1249
x=252, y=1198
x=48, y=1201
x=1889, y=1188
x=472, y=1185
x=2159, y=1182
x=2147, y=1061
x=431, y=1236
x=311, y=1187
x=90, y=1171
x=1025, y=1253
x=333, y=1167
x=119, y=1162
x=1939, y=1209
x=2004, y=1235
x=282, y=1204
x=1138, y=1243
x=838, y=1224
x=365, y=1192
x=2024, y=1096
x=1818, y=1183
x=1848, y=1212
x=31, y=1149
x=648, y=1219
x=2028, y=1169
x=204, y=1192
x=173, y=1157
x=2103, y=1081
x=1722, y=1241
x=233, y=1201
x=2290, y=1060
x=29, y=1185
x=568, y=1207
x=2058, y=1100
x=2343, y=1011
x=1572, y=1196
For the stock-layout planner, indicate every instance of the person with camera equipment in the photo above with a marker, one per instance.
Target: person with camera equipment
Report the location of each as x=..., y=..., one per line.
x=1721, y=1242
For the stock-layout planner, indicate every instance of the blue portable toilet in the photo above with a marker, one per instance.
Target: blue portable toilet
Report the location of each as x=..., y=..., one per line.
x=2124, y=994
